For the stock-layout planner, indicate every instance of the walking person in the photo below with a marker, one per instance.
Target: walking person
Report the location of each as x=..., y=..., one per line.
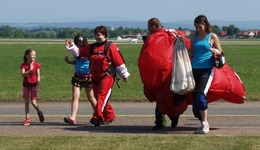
x=154, y=27
x=105, y=61
x=205, y=43
x=81, y=79
x=30, y=71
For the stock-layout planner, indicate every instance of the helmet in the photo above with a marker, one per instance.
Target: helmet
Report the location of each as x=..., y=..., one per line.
x=218, y=60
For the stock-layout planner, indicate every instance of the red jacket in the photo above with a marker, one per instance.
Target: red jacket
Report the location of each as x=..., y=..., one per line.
x=99, y=64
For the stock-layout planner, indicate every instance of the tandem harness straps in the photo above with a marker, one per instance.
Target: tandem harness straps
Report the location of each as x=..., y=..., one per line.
x=110, y=70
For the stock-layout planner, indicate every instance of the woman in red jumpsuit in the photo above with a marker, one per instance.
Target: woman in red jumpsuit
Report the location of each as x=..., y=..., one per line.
x=102, y=65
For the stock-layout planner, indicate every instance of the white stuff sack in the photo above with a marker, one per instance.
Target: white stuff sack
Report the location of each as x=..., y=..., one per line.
x=182, y=81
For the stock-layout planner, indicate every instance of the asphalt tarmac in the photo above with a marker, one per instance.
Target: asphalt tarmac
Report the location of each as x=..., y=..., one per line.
x=225, y=119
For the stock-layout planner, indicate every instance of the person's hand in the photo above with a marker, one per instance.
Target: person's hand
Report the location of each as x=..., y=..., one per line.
x=125, y=80
x=66, y=58
x=68, y=42
x=37, y=87
x=215, y=51
x=31, y=66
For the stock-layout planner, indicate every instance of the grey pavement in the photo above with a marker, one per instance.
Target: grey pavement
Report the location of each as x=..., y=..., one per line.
x=132, y=118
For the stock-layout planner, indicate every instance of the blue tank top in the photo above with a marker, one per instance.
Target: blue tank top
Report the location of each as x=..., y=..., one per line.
x=202, y=54
x=82, y=66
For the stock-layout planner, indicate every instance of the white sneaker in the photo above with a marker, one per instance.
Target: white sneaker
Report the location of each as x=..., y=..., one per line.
x=203, y=129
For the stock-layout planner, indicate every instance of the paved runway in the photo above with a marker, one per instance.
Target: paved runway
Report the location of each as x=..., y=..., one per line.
x=226, y=119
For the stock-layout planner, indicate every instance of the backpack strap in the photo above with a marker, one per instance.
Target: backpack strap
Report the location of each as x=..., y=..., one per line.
x=107, y=44
x=110, y=69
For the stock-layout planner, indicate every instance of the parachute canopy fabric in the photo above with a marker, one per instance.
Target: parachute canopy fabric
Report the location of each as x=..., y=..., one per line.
x=155, y=60
x=226, y=85
x=155, y=66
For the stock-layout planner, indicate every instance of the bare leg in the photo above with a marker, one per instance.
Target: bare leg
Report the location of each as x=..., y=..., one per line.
x=75, y=101
x=204, y=115
x=27, y=108
x=35, y=105
x=91, y=97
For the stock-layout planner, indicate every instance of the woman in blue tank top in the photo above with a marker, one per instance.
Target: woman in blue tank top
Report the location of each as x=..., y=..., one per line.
x=202, y=50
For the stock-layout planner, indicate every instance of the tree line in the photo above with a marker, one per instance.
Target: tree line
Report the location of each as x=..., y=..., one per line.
x=7, y=31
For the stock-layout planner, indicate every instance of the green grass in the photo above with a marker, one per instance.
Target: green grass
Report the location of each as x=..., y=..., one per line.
x=55, y=85
x=56, y=74
x=135, y=142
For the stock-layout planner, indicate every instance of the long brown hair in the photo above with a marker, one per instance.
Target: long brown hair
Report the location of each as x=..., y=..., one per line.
x=27, y=52
x=203, y=20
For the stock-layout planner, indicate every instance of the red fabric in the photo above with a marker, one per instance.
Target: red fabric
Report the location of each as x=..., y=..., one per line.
x=186, y=40
x=155, y=59
x=32, y=77
x=227, y=85
x=84, y=51
x=155, y=66
x=99, y=65
x=102, y=90
x=165, y=100
x=101, y=82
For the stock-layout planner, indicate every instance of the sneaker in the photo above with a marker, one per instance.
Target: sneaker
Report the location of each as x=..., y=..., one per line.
x=203, y=129
x=26, y=122
x=41, y=117
x=94, y=122
x=69, y=120
x=158, y=127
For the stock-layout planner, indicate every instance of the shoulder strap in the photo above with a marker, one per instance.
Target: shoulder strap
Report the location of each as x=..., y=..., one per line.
x=107, y=44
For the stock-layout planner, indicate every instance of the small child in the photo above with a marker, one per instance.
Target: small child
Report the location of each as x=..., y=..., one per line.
x=30, y=71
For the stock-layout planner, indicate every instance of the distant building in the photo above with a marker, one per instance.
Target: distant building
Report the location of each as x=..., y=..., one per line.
x=248, y=34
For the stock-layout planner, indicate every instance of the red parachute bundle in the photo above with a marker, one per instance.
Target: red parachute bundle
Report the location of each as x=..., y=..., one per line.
x=155, y=66
x=155, y=60
x=226, y=85
x=166, y=101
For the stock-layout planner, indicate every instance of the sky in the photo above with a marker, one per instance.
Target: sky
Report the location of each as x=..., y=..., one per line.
x=47, y=11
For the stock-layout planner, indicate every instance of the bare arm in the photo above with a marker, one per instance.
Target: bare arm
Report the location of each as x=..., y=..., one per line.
x=215, y=44
x=72, y=62
x=25, y=73
x=38, y=77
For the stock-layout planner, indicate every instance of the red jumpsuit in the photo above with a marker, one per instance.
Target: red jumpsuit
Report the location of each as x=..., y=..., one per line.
x=102, y=82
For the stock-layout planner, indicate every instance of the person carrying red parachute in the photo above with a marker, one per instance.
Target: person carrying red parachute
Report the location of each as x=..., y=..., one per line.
x=211, y=83
x=155, y=66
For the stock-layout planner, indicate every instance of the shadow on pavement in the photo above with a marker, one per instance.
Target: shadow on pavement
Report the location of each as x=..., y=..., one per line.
x=133, y=129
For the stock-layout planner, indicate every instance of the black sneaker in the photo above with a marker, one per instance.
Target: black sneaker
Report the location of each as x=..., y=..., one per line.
x=94, y=122
x=158, y=127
